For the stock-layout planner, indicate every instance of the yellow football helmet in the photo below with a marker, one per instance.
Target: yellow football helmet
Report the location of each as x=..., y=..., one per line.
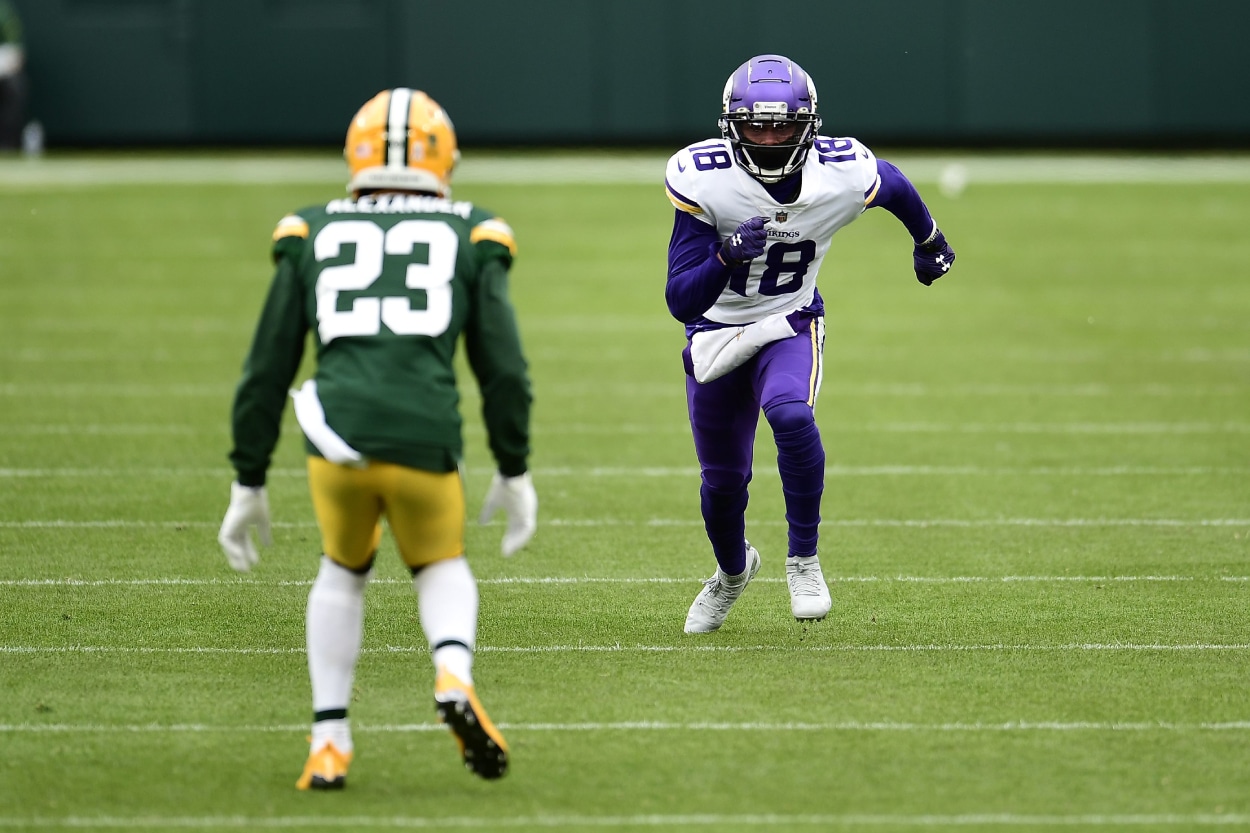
x=401, y=140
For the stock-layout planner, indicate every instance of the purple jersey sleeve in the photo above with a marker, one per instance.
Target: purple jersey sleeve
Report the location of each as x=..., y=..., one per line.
x=696, y=276
x=899, y=197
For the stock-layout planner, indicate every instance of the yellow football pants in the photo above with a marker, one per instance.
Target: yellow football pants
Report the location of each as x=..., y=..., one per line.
x=425, y=511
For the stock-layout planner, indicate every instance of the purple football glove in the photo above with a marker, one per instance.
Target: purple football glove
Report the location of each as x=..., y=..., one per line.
x=746, y=243
x=933, y=259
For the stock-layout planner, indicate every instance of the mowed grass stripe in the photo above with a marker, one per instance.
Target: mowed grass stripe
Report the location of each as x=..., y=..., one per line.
x=79, y=171
x=845, y=352
x=637, y=390
x=653, y=726
x=684, y=472
x=1183, y=821
x=122, y=523
x=679, y=427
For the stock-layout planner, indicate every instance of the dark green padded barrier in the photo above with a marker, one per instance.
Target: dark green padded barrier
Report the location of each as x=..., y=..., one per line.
x=639, y=71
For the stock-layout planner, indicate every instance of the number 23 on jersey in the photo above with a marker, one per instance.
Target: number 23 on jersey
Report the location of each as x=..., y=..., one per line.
x=368, y=314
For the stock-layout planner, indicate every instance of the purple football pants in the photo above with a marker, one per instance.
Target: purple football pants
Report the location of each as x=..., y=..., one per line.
x=783, y=379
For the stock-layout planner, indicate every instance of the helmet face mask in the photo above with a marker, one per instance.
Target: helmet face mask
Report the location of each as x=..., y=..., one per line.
x=401, y=140
x=768, y=114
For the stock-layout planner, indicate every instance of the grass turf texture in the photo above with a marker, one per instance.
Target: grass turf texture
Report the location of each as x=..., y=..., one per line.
x=1035, y=522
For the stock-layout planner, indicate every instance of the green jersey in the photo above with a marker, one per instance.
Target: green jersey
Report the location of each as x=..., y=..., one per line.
x=387, y=284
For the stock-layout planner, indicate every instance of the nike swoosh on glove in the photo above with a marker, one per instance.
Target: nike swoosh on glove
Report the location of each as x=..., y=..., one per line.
x=519, y=502
x=932, y=260
x=249, y=507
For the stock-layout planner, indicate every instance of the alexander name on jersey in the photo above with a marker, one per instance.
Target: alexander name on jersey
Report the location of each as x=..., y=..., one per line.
x=399, y=204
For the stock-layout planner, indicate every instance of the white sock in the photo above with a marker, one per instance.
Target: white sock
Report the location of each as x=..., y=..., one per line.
x=334, y=626
x=338, y=732
x=447, y=602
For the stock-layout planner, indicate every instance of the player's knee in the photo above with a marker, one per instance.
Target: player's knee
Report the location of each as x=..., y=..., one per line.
x=787, y=417
x=357, y=565
x=724, y=483
x=336, y=578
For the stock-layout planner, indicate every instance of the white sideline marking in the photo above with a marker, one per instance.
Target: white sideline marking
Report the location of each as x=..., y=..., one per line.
x=540, y=580
x=660, y=726
x=1184, y=821
x=656, y=649
x=926, y=523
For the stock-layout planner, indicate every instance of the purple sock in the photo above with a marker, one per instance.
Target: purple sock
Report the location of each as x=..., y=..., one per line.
x=801, y=463
x=724, y=518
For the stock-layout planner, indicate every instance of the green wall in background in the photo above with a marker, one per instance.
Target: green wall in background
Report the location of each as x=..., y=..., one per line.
x=944, y=72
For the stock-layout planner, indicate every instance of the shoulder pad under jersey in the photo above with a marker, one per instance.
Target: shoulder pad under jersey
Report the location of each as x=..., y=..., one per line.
x=693, y=172
x=852, y=159
x=289, y=235
x=495, y=230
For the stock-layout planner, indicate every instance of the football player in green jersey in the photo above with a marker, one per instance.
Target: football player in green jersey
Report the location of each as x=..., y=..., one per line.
x=387, y=282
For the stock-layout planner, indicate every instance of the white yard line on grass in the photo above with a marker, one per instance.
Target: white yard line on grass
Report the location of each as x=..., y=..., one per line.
x=657, y=649
x=926, y=523
x=574, y=580
x=660, y=472
x=713, y=821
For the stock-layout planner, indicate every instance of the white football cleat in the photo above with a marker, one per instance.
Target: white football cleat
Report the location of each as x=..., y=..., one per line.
x=809, y=595
x=719, y=593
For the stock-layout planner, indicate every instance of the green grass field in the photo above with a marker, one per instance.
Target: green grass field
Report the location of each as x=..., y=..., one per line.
x=1036, y=527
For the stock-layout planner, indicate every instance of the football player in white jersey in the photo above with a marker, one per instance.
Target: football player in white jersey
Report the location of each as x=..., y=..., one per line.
x=756, y=211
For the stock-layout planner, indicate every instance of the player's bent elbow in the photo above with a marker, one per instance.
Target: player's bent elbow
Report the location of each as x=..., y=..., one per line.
x=684, y=309
x=677, y=312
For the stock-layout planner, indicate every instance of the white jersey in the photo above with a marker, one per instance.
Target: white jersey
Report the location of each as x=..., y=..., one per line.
x=839, y=176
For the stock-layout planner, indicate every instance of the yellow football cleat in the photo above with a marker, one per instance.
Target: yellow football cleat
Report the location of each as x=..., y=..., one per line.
x=326, y=769
x=484, y=749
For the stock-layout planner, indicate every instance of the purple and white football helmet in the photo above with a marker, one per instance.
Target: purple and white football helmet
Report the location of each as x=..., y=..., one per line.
x=769, y=116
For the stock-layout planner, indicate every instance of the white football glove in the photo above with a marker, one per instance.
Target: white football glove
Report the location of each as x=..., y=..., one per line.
x=249, y=506
x=517, y=498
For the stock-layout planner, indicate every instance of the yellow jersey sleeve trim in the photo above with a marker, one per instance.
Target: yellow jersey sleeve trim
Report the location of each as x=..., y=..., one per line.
x=495, y=230
x=290, y=226
x=680, y=204
x=872, y=192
